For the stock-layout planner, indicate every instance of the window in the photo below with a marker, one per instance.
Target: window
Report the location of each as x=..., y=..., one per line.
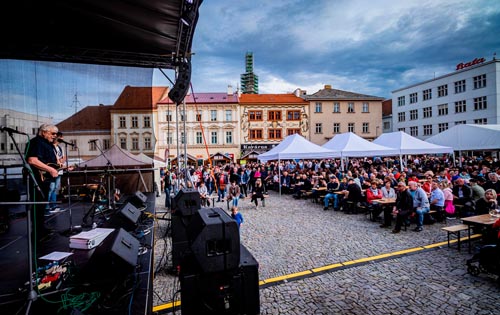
x=413, y=98
x=213, y=115
x=123, y=122
x=183, y=115
x=442, y=109
x=135, y=121
x=460, y=107
x=460, y=122
x=442, y=127
x=319, y=128
x=168, y=116
x=401, y=129
x=123, y=143
x=427, y=94
x=414, y=131
x=387, y=125
x=350, y=127
x=366, y=108
x=350, y=107
x=442, y=90
x=480, y=103
x=93, y=146
x=292, y=131
x=427, y=112
x=147, y=122
x=255, y=115
x=336, y=127
x=255, y=134
x=183, y=137
x=427, y=130
x=147, y=143
x=229, y=137
x=74, y=147
x=170, y=138
x=481, y=121
x=414, y=114
x=401, y=101
x=198, y=117
x=336, y=107
x=293, y=115
x=366, y=127
x=318, y=108
x=459, y=86
x=401, y=117
x=479, y=81
x=274, y=115
x=213, y=137
x=274, y=134
x=199, y=138
x=229, y=115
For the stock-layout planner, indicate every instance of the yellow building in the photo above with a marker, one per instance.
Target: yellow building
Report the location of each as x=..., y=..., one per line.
x=335, y=111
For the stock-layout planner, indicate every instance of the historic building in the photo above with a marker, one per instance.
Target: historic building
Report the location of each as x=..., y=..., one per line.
x=335, y=111
x=266, y=119
x=470, y=95
x=207, y=125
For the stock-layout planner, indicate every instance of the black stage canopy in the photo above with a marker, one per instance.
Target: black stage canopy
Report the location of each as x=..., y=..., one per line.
x=140, y=33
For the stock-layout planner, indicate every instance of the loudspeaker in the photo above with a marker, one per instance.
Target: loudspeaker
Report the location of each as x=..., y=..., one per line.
x=138, y=200
x=214, y=239
x=126, y=218
x=180, y=243
x=114, y=259
x=186, y=202
x=228, y=292
x=181, y=86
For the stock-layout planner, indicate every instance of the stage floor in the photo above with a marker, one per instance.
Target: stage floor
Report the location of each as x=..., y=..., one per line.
x=14, y=267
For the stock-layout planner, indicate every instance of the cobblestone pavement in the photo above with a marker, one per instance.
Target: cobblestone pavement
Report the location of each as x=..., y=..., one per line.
x=289, y=236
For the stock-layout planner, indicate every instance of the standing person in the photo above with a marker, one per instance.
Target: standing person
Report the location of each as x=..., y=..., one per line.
x=403, y=207
x=39, y=155
x=234, y=193
x=167, y=184
x=202, y=190
x=420, y=204
x=244, y=175
x=258, y=192
x=220, y=180
x=237, y=216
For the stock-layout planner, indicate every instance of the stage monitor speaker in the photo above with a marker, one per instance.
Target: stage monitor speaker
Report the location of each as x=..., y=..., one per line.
x=139, y=200
x=181, y=86
x=142, y=197
x=214, y=239
x=114, y=259
x=227, y=292
x=126, y=218
x=186, y=202
x=180, y=243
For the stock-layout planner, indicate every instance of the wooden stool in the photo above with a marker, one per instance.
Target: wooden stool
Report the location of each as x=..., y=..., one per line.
x=455, y=230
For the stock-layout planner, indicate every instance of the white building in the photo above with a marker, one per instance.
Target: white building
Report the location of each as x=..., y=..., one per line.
x=469, y=95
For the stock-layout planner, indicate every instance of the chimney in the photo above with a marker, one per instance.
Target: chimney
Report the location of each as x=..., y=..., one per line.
x=328, y=87
x=229, y=90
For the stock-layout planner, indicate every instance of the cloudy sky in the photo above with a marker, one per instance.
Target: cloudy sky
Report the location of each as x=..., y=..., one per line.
x=366, y=46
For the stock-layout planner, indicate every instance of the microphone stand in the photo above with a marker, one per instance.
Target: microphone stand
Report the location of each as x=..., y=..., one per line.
x=109, y=165
x=72, y=229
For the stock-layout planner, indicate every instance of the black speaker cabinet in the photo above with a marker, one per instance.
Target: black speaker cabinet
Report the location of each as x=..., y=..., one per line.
x=180, y=243
x=138, y=200
x=228, y=292
x=181, y=86
x=214, y=239
x=114, y=259
x=126, y=218
x=186, y=202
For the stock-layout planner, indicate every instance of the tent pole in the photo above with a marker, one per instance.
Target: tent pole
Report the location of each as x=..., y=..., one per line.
x=279, y=174
x=400, y=162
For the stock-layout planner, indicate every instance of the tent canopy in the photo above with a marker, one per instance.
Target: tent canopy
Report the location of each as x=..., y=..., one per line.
x=352, y=145
x=469, y=137
x=140, y=33
x=406, y=144
x=117, y=157
x=297, y=147
x=146, y=159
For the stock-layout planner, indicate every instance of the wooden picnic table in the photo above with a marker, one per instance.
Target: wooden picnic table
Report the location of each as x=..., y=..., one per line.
x=483, y=220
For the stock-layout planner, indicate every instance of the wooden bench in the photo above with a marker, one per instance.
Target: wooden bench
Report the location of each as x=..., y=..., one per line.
x=455, y=230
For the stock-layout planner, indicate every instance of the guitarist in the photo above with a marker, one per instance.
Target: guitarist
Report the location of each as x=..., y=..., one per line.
x=56, y=185
x=40, y=153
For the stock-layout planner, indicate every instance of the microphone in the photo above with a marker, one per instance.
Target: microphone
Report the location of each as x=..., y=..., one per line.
x=91, y=141
x=10, y=130
x=66, y=142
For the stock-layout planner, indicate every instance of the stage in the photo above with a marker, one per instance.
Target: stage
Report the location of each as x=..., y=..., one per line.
x=101, y=277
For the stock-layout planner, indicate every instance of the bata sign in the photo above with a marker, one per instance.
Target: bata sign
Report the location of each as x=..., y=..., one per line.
x=476, y=61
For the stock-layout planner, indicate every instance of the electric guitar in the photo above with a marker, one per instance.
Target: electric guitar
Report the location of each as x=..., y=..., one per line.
x=44, y=174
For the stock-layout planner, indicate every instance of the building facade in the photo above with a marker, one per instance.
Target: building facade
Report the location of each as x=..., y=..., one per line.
x=335, y=111
x=207, y=125
x=266, y=119
x=468, y=95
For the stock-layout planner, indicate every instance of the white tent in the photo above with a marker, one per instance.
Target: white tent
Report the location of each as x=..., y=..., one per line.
x=296, y=147
x=406, y=144
x=469, y=137
x=352, y=145
x=146, y=159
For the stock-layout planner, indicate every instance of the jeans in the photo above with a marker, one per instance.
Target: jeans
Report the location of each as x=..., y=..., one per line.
x=54, y=186
x=167, y=196
x=420, y=215
x=221, y=193
x=235, y=201
x=327, y=200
